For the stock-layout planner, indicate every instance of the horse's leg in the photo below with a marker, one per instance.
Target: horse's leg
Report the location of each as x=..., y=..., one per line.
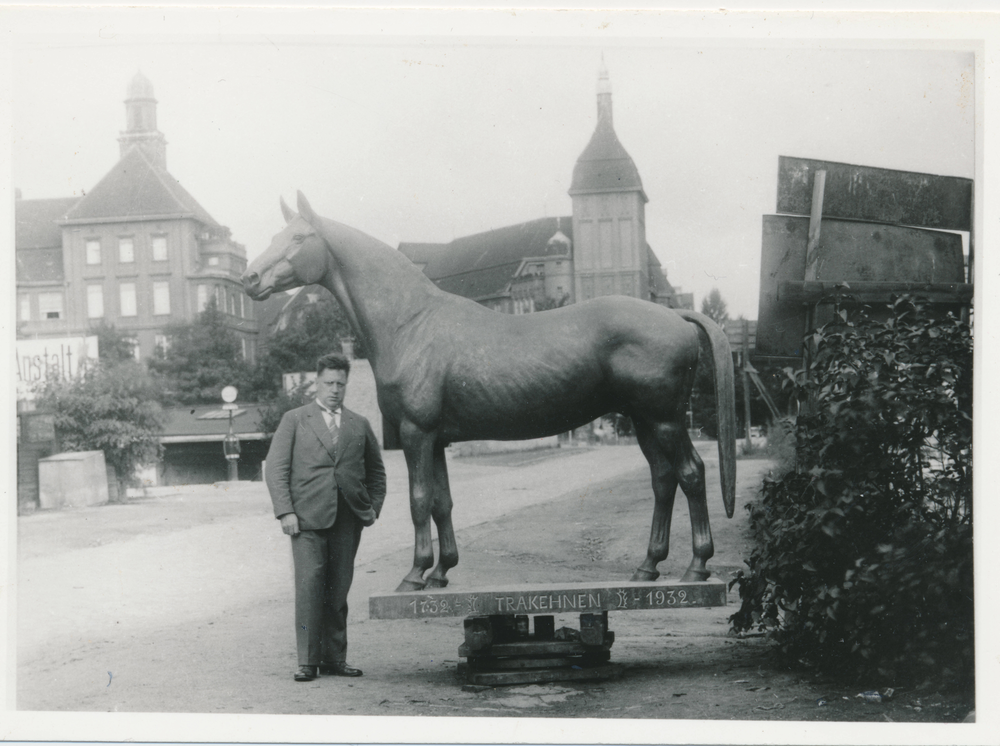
x=691, y=475
x=418, y=447
x=661, y=466
x=441, y=512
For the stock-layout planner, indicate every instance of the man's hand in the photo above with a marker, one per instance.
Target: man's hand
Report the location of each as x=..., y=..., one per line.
x=290, y=523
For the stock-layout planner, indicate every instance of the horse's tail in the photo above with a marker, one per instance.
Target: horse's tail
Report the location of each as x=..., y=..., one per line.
x=711, y=336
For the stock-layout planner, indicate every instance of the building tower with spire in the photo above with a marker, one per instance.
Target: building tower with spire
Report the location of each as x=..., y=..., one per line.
x=609, y=215
x=137, y=251
x=600, y=250
x=140, y=122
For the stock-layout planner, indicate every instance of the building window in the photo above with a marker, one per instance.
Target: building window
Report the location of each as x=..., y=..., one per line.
x=24, y=303
x=50, y=305
x=126, y=294
x=202, y=298
x=243, y=345
x=161, y=298
x=95, y=301
x=162, y=343
x=242, y=307
x=232, y=304
x=93, y=251
x=159, y=248
x=126, y=251
x=213, y=261
x=134, y=342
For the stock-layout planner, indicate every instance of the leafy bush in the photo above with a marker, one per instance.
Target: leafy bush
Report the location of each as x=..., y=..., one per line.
x=863, y=558
x=110, y=407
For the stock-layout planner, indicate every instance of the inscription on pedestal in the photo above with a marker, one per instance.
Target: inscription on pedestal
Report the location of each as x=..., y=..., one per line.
x=549, y=599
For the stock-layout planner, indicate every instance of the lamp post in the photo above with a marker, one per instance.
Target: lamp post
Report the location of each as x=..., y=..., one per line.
x=231, y=444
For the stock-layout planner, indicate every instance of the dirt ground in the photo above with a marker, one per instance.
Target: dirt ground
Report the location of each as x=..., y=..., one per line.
x=238, y=656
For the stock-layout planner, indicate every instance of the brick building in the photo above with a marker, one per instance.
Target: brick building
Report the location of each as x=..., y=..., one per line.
x=137, y=251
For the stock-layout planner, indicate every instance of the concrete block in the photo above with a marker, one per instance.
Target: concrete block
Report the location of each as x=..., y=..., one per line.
x=72, y=480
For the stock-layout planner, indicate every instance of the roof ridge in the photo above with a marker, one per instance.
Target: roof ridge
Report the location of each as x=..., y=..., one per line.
x=507, y=227
x=136, y=188
x=175, y=183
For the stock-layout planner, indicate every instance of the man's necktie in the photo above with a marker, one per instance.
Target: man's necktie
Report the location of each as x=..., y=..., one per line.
x=334, y=430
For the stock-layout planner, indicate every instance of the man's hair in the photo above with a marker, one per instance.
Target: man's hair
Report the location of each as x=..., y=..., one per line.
x=333, y=361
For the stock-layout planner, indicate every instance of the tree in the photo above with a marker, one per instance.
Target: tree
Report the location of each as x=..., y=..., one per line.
x=270, y=416
x=548, y=302
x=311, y=332
x=715, y=308
x=199, y=360
x=113, y=346
x=863, y=564
x=110, y=407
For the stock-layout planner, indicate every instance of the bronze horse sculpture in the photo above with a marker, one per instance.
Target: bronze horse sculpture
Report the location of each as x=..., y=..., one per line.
x=448, y=369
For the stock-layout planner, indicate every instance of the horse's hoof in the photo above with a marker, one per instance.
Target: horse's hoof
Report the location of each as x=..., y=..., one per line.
x=644, y=576
x=437, y=582
x=409, y=585
x=695, y=576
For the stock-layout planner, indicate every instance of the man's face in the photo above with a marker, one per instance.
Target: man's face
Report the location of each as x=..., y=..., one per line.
x=330, y=387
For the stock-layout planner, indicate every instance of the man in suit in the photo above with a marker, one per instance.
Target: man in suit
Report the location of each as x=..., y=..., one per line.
x=327, y=481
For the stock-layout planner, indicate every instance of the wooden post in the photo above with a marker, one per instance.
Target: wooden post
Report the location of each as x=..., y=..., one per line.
x=812, y=259
x=815, y=222
x=746, y=380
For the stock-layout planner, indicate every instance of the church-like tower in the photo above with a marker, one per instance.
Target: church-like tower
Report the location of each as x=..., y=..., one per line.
x=140, y=122
x=609, y=213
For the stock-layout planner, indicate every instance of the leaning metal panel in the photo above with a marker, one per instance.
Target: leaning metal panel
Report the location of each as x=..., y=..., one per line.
x=881, y=195
x=563, y=598
x=848, y=251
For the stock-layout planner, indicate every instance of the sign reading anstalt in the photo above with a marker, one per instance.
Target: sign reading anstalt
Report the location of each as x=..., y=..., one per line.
x=562, y=598
x=38, y=360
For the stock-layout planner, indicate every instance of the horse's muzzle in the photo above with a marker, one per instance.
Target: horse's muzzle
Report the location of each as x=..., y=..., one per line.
x=251, y=286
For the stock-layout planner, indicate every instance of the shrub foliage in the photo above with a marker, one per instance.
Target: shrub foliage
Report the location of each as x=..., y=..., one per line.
x=110, y=407
x=863, y=558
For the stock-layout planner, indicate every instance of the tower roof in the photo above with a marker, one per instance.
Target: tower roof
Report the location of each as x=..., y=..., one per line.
x=139, y=87
x=604, y=165
x=135, y=189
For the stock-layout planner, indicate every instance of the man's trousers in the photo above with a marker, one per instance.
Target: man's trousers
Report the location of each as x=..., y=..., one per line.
x=324, y=569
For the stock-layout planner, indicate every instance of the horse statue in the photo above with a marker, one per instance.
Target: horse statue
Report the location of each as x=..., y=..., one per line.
x=448, y=369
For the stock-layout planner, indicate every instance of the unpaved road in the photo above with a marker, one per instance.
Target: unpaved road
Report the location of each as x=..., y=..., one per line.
x=182, y=603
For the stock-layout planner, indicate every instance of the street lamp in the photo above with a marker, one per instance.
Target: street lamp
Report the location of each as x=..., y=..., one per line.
x=231, y=444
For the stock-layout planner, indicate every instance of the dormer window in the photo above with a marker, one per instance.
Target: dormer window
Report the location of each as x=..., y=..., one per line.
x=50, y=305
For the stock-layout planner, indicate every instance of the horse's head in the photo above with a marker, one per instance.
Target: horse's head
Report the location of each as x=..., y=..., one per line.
x=297, y=256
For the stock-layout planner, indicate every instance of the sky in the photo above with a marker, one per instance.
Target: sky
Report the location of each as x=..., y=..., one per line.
x=432, y=137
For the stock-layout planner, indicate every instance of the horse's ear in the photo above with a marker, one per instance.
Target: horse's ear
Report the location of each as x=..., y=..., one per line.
x=287, y=211
x=306, y=211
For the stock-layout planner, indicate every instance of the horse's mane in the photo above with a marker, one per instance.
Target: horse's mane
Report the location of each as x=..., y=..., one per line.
x=367, y=250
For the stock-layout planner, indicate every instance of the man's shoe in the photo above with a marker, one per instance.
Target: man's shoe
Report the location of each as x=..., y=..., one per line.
x=306, y=673
x=339, y=669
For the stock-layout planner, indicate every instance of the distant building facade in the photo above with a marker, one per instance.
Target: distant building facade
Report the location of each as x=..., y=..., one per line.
x=600, y=249
x=137, y=252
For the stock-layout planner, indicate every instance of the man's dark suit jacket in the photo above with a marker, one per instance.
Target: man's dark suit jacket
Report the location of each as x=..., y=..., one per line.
x=299, y=474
